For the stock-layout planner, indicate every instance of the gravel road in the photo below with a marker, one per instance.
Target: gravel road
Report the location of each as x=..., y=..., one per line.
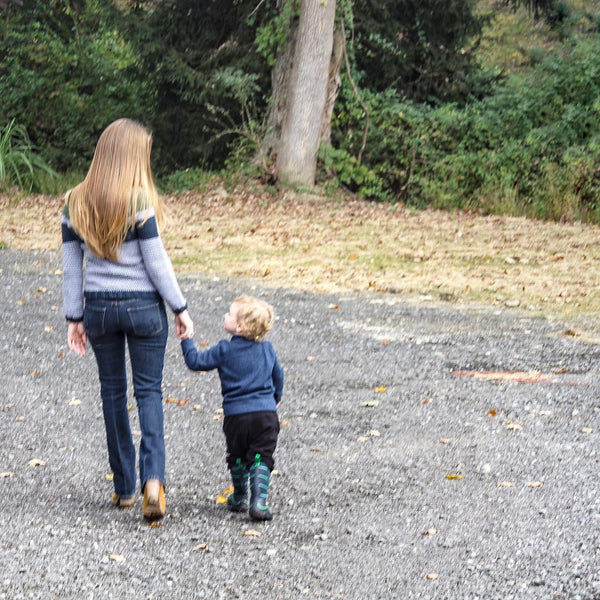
x=412, y=462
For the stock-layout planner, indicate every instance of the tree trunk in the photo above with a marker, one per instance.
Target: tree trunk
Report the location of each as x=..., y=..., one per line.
x=306, y=93
x=333, y=85
x=280, y=77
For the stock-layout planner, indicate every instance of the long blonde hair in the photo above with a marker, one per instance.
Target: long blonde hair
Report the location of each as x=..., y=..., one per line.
x=118, y=184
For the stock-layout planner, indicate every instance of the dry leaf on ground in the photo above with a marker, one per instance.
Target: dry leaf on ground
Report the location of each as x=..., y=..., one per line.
x=252, y=533
x=116, y=558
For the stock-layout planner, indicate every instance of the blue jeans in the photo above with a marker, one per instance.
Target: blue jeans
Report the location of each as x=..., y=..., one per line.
x=110, y=320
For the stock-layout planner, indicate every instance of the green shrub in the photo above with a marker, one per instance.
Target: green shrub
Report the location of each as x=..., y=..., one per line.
x=67, y=72
x=183, y=181
x=20, y=165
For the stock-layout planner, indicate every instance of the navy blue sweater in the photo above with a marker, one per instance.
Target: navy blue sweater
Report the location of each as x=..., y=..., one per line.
x=251, y=376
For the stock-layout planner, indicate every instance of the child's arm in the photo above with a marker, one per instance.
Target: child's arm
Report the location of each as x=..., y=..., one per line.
x=202, y=361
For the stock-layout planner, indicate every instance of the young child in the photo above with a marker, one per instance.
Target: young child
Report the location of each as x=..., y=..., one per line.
x=251, y=384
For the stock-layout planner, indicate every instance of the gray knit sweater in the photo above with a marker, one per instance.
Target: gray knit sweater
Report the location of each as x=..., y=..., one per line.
x=143, y=266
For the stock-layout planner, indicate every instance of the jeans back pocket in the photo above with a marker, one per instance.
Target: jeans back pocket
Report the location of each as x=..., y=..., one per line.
x=147, y=319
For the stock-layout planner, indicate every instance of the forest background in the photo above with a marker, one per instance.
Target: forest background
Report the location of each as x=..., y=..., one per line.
x=469, y=107
x=477, y=105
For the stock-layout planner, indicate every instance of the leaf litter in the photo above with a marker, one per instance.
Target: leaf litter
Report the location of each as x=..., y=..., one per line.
x=341, y=243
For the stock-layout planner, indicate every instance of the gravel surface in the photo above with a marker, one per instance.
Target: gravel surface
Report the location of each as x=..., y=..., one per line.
x=405, y=469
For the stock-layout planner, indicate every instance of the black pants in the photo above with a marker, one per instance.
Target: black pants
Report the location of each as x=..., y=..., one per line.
x=250, y=434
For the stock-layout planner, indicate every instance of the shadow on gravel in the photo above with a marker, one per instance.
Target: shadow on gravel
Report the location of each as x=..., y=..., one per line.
x=403, y=471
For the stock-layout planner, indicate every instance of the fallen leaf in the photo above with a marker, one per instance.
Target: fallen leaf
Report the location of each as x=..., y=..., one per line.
x=170, y=400
x=385, y=342
x=534, y=484
x=492, y=413
x=560, y=371
x=285, y=423
x=222, y=497
x=109, y=476
x=374, y=433
x=370, y=403
x=197, y=407
x=454, y=476
x=61, y=354
x=182, y=402
x=362, y=439
x=513, y=426
x=48, y=328
x=445, y=441
x=20, y=419
x=431, y=576
x=20, y=302
x=334, y=306
x=252, y=533
x=380, y=389
x=36, y=462
x=431, y=531
x=315, y=449
x=310, y=358
x=201, y=547
x=42, y=289
x=116, y=557
x=425, y=400
x=506, y=484
x=74, y=402
x=155, y=523
x=6, y=474
x=586, y=430
x=34, y=373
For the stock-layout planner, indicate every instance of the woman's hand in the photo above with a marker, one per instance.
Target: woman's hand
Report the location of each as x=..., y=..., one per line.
x=77, y=338
x=184, y=325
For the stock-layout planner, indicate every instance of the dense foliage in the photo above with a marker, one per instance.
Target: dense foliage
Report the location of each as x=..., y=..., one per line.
x=442, y=130
x=207, y=78
x=66, y=72
x=399, y=45
x=530, y=147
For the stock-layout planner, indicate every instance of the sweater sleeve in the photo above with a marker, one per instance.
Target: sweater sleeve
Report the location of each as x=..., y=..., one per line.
x=203, y=361
x=278, y=380
x=72, y=261
x=157, y=263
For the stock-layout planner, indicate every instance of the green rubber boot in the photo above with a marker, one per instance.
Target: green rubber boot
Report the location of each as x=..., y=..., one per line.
x=259, y=488
x=237, y=501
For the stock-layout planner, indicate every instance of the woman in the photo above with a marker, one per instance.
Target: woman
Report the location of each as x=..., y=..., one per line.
x=111, y=222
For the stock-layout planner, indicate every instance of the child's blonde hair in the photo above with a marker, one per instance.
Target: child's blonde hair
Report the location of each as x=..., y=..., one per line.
x=118, y=184
x=254, y=316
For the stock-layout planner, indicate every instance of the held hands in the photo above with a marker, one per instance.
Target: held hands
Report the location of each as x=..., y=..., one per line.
x=76, y=338
x=184, y=325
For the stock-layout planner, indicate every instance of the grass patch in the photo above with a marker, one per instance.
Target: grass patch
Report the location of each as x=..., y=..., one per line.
x=322, y=244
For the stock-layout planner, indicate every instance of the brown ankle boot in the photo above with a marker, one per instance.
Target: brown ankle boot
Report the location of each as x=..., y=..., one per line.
x=154, y=506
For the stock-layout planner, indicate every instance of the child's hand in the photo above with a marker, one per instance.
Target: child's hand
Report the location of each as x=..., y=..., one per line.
x=184, y=325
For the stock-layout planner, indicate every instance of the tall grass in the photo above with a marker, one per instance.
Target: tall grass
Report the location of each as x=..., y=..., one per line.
x=20, y=166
